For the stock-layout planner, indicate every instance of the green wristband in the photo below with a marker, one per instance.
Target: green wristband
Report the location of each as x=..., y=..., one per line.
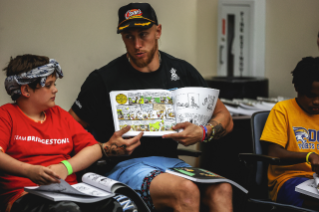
x=68, y=166
x=307, y=157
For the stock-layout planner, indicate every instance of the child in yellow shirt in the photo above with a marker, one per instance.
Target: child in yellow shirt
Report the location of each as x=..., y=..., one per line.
x=292, y=131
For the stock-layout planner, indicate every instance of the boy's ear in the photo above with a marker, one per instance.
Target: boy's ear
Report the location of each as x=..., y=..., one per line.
x=25, y=91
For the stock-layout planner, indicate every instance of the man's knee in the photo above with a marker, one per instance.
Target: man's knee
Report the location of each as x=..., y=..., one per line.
x=174, y=192
x=187, y=193
x=218, y=191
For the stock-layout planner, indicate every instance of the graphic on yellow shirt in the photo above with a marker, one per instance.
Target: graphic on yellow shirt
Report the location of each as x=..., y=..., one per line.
x=303, y=135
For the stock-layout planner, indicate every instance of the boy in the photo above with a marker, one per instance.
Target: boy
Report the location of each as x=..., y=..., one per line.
x=40, y=143
x=292, y=132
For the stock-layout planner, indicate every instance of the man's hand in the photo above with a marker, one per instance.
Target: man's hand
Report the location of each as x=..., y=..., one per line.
x=191, y=133
x=118, y=146
x=314, y=160
x=42, y=175
x=60, y=170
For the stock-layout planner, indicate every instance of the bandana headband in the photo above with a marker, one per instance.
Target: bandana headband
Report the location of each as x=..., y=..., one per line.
x=13, y=82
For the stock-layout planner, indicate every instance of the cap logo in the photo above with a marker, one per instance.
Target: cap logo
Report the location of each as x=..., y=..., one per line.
x=142, y=24
x=134, y=12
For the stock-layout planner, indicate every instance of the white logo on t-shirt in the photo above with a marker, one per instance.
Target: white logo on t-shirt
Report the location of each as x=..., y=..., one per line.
x=53, y=141
x=77, y=102
x=174, y=76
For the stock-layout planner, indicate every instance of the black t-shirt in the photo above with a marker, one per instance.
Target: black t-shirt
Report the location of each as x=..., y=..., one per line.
x=93, y=103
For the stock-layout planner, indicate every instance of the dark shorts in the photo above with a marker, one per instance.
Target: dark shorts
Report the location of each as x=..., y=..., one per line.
x=287, y=193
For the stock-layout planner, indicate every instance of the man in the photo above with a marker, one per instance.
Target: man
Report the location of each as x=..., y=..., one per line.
x=292, y=133
x=145, y=67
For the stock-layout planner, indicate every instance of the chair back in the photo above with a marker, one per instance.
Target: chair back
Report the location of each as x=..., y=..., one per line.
x=258, y=121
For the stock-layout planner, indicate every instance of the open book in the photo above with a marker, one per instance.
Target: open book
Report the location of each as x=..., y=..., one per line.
x=93, y=188
x=309, y=187
x=200, y=175
x=156, y=111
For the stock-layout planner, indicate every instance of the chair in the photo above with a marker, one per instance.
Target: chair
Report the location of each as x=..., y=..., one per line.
x=257, y=164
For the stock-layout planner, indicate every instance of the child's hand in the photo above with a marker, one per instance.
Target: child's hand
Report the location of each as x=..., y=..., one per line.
x=314, y=160
x=60, y=170
x=42, y=175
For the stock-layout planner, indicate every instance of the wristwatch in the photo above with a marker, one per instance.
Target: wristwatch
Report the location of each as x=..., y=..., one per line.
x=208, y=139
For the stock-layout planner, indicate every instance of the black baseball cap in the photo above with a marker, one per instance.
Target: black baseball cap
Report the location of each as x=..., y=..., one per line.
x=136, y=15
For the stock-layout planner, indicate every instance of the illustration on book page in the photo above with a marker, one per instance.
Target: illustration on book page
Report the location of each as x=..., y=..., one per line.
x=148, y=110
x=156, y=111
x=195, y=106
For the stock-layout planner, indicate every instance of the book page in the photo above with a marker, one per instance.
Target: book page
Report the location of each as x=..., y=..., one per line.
x=308, y=187
x=200, y=175
x=316, y=180
x=100, y=181
x=194, y=104
x=192, y=172
x=76, y=189
x=54, y=196
x=150, y=111
x=114, y=186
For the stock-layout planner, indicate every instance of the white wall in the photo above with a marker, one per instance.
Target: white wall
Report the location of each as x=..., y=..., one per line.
x=206, y=40
x=81, y=35
x=291, y=33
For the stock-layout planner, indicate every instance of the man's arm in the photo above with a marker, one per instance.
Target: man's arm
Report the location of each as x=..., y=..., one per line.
x=220, y=124
x=83, y=123
x=289, y=157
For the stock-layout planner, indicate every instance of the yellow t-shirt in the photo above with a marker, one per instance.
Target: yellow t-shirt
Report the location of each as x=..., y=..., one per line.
x=295, y=130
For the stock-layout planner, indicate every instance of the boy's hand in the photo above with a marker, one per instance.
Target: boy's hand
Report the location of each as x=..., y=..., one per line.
x=60, y=170
x=314, y=160
x=191, y=133
x=42, y=175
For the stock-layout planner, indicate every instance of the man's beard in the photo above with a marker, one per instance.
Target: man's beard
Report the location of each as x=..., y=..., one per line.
x=141, y=63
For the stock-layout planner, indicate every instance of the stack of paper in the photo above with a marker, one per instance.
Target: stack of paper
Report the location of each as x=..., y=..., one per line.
x=248, y=106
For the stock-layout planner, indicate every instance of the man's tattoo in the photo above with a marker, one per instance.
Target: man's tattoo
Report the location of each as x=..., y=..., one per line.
x=115, y=150
x=217, y=131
